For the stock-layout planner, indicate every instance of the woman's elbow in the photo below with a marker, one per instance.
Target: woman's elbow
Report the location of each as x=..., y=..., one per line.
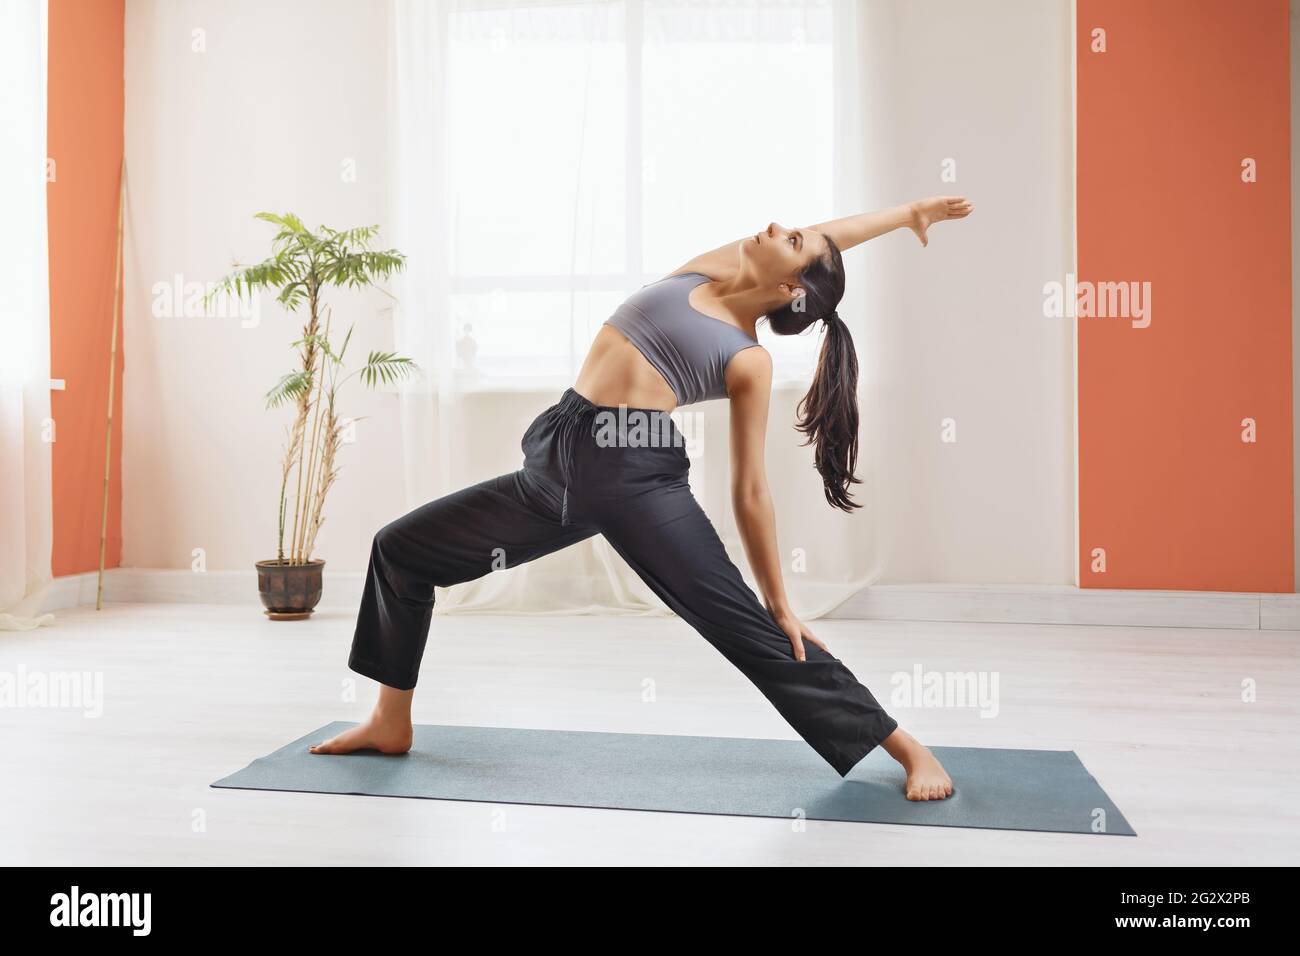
x=750, y=493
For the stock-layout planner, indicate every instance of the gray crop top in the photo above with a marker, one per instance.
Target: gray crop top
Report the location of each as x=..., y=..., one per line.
x=690, y=349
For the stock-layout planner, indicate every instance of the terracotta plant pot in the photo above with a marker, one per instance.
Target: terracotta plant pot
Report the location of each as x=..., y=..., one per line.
x=290, y=592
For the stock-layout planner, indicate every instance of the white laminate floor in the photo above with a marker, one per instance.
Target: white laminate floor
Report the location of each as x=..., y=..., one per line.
x=191, y=693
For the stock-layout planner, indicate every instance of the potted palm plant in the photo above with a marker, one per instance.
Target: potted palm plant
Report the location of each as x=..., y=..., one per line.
x=303, y=264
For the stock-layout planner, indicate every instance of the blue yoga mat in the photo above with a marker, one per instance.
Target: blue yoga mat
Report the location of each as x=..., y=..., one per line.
x=1001, y=789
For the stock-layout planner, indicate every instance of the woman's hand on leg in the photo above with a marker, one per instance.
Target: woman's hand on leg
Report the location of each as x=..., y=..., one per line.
x=796, y=631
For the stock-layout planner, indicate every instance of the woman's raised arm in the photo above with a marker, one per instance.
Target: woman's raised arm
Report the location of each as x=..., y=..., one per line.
x=917, y=216
x=849, y=231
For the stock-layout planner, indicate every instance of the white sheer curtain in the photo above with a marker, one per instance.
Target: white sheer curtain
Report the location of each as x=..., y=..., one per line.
x=26, y=531
x=552, y=156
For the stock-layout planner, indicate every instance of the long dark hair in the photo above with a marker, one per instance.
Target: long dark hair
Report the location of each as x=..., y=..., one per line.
x=828, y=414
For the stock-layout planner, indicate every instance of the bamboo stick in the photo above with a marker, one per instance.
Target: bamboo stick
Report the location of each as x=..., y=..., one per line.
x=304, y=410
x=112, y=381
x=315, y=441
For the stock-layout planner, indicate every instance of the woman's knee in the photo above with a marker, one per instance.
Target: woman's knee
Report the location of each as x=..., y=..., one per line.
x=386, y=542
x=396, y=538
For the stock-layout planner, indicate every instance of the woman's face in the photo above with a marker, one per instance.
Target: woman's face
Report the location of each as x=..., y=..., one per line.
x=777, y=255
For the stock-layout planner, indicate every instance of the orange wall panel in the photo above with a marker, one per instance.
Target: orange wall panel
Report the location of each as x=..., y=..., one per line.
x=85, y=143
x=1185, y=92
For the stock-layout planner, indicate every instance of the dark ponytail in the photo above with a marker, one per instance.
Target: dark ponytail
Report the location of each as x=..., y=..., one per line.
x=828, y=414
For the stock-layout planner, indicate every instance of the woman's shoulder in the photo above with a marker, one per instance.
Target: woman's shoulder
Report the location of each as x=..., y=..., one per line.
x=748, y=378
x=690, y=272
x=695, y=273
x=711, y=265
x=750, y=363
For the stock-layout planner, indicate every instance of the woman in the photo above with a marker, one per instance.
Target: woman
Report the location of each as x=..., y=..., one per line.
x=592, y=466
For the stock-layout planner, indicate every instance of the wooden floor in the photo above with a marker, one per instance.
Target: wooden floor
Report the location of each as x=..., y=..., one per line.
x=194, y=692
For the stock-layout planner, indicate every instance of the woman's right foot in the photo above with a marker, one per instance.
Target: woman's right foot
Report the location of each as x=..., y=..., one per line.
x=387, y=735
x=926, y=778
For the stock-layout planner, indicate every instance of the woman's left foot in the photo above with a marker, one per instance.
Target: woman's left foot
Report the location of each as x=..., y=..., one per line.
x=386, y=736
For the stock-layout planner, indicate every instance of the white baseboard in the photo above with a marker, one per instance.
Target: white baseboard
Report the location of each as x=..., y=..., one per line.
x=990, y=604
x=1065, y=604
x=173, y=586
x=1279, y=612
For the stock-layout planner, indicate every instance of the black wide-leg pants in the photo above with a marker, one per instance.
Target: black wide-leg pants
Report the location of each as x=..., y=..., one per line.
x=595, y=469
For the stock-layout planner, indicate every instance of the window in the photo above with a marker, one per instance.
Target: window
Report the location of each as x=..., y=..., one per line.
x=593, y=147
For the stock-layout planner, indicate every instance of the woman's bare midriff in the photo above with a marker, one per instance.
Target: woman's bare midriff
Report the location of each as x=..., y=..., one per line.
x=616, y=373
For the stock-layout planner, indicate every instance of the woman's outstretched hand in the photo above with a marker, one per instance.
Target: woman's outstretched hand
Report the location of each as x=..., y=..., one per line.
x=926, y=212
x=797, y=631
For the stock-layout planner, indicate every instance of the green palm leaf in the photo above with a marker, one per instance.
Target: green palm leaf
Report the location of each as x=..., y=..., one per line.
x=386, y=367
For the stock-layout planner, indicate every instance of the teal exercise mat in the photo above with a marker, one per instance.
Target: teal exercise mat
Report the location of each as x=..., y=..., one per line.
x=1045, y=790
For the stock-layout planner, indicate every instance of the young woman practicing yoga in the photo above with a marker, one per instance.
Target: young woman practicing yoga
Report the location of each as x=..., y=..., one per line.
x=685, y=338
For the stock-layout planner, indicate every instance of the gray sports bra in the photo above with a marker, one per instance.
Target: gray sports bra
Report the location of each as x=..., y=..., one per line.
x=690, y=349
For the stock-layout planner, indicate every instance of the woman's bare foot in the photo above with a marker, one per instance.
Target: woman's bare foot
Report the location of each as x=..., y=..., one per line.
x=388, y=729
x=926, y=778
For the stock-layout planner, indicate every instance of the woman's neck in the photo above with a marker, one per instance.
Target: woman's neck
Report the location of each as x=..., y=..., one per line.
x=745, y=299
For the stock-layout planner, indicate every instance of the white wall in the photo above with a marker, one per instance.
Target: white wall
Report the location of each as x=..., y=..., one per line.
x=286, y=91
x=959, y=330
x=262, y=119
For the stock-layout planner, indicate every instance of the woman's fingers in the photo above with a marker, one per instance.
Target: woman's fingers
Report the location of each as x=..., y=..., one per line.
x=810, y=636
x=790, y=626
x=958, y=205
x=797, y=632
